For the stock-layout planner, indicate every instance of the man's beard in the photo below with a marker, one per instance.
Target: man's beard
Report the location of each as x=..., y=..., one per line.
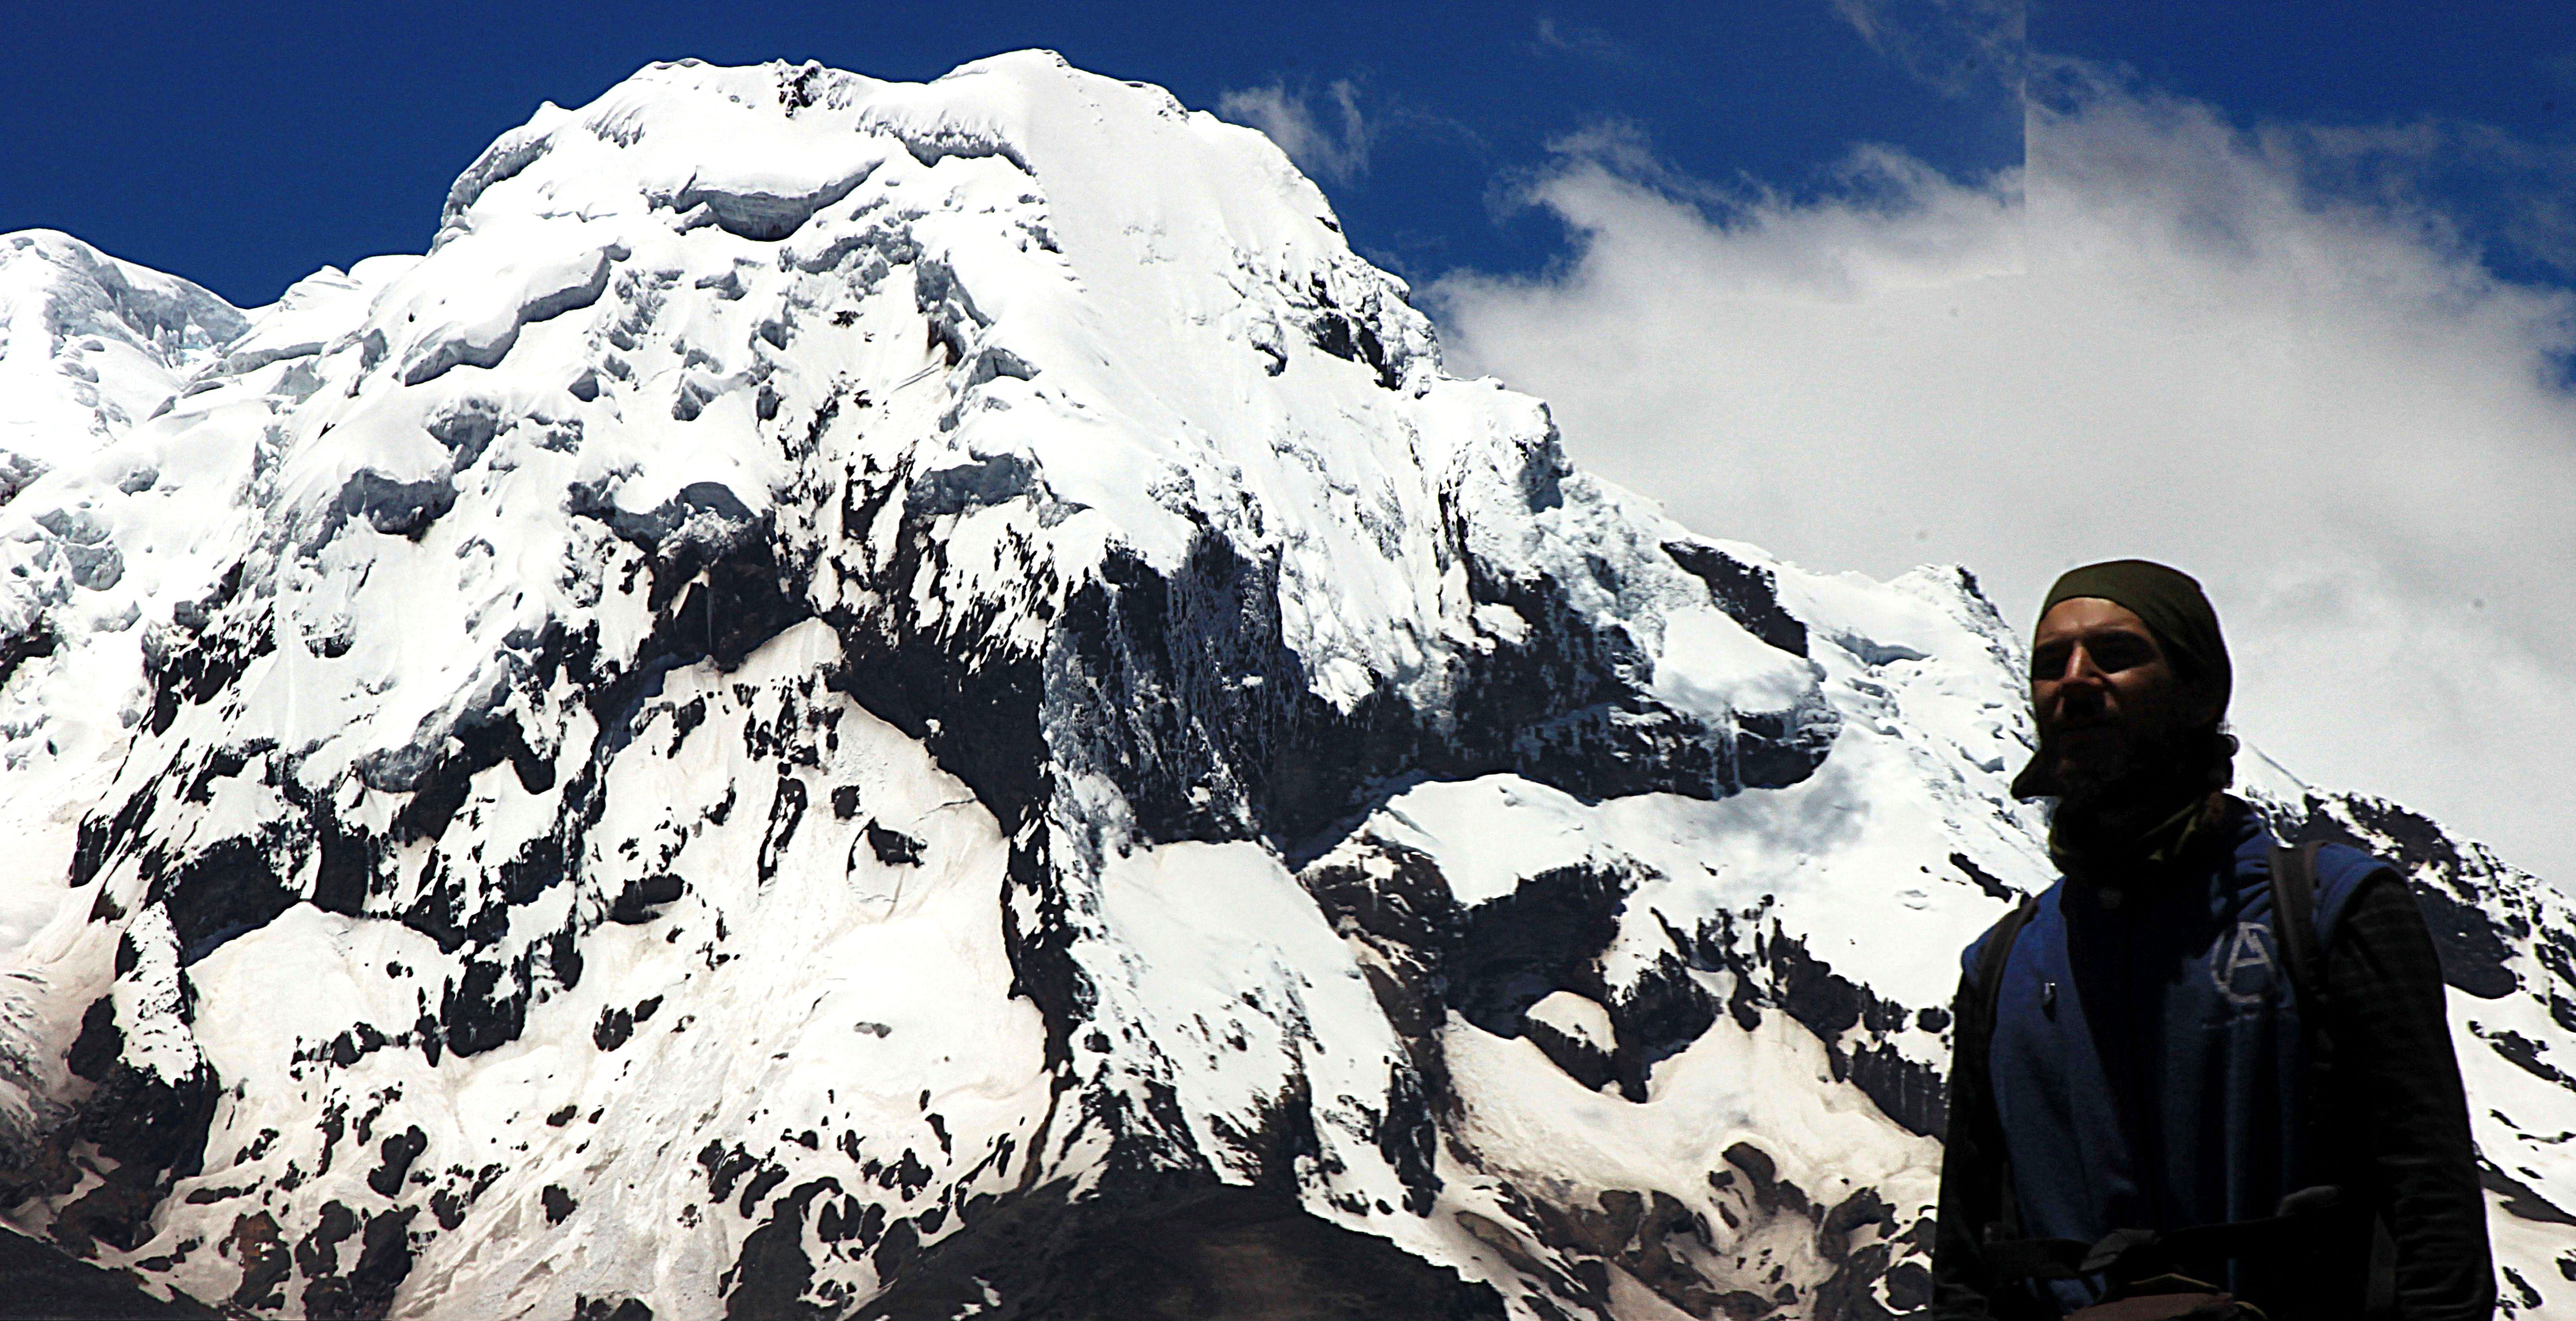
x=2142, y=783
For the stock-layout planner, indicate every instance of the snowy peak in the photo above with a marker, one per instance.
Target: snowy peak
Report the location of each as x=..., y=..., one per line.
x=644, y=318
x=89, y=345
x=1152, y=265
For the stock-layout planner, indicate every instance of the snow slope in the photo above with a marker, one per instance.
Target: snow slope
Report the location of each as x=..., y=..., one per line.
x=920, y=700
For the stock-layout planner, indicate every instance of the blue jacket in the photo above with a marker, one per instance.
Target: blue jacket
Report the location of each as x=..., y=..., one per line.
x=2147, y=1065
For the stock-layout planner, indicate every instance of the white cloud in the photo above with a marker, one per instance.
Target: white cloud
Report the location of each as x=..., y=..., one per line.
x=1332, y=144
x=2155, y=340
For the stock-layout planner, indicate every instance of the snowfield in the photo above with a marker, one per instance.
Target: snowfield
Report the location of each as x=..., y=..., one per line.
x=887, y=700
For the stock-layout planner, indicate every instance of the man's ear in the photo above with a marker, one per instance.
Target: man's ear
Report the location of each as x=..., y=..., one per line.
x=2206, y=709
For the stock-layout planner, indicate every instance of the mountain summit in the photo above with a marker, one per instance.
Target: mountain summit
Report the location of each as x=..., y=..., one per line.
x=887, y=700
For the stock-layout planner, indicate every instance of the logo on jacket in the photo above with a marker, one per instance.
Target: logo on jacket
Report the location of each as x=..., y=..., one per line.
x=2247, y=969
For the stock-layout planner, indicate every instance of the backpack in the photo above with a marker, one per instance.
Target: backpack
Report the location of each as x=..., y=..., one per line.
x=2138, y=1262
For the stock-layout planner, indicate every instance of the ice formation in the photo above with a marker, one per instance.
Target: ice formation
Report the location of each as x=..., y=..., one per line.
x=886, y=700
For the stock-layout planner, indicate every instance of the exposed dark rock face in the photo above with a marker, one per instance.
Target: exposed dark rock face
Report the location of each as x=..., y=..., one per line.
x=1747, y=592
x=1224, y=1253
x=2448, y=884
x=35, y=643
x=39, y=1280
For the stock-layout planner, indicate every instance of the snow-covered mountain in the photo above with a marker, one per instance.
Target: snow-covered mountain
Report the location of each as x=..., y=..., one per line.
x=885, y=700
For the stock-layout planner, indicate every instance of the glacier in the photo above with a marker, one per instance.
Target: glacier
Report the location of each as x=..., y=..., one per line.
x=860, y=699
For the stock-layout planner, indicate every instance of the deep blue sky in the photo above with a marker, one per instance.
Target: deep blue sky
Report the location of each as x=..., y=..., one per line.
x=242, y=146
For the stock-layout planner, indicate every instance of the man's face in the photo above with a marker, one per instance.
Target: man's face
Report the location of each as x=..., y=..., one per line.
x=2105, y=696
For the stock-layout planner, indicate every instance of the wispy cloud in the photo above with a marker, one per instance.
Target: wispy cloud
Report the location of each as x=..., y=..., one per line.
x=1958, y=47
x=1591, y=43
x=2162, y=337
x=2522, y=187
x=1326, y=135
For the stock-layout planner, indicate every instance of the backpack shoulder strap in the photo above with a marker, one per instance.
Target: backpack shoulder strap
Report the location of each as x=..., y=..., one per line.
x=1975, y=1049
x=1991, y=958
x=2294, y=908
x=2294, y=905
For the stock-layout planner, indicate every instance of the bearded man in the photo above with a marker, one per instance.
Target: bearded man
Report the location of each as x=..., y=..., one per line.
x=2202, y=1074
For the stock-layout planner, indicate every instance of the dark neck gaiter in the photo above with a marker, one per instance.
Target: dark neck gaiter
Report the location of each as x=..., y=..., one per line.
x=2130, y=849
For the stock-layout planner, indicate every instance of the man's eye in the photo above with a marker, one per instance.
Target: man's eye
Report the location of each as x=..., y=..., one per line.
x=2121, y=651
x=2050, y=661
